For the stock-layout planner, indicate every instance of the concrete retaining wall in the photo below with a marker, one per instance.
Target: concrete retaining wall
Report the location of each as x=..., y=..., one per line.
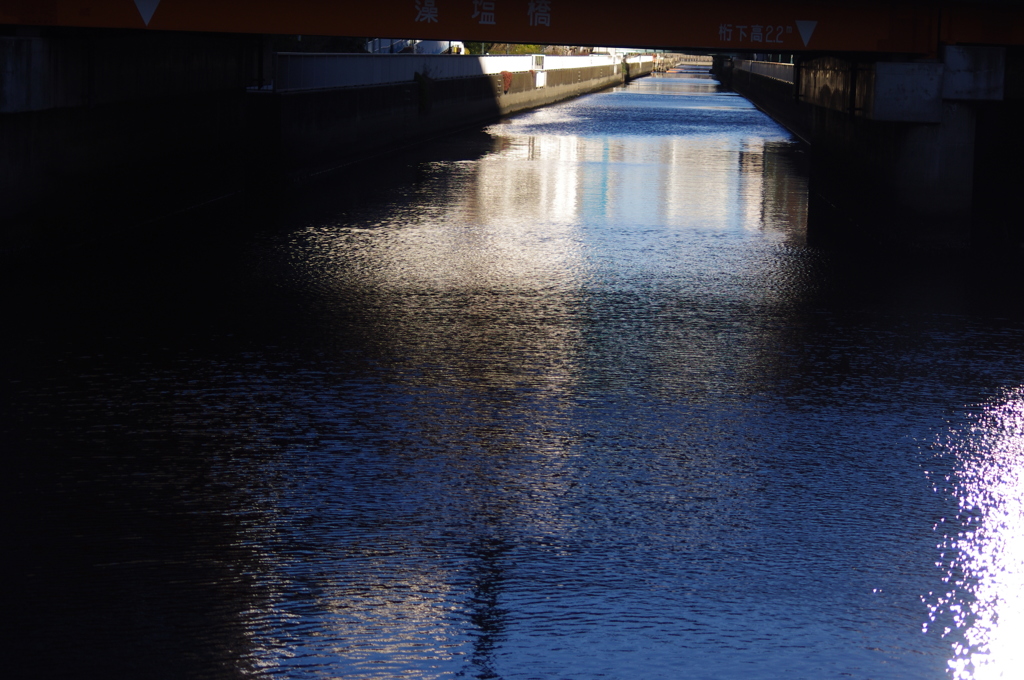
x=775, y=97
x=298, y=71
x=322, y=129
x=898, y=155
x=107, y=128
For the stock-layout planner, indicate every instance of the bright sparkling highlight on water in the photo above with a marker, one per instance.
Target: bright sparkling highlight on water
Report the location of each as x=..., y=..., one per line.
x=982, y=610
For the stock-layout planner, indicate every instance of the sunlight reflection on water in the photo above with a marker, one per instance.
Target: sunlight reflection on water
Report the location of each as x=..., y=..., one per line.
x=982, y=612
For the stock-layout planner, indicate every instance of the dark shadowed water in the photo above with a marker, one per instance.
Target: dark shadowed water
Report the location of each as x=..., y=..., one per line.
x=571, y=398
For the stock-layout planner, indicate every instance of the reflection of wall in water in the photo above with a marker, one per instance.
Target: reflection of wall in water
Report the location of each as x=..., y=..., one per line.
x=784, y=192
x=694, y=193
x=534, y=181
x=705, y=182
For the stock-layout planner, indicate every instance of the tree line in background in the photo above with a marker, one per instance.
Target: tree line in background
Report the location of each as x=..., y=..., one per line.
x=512, y=48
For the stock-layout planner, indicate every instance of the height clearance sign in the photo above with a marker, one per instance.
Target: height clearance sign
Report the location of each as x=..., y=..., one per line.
x=744, y=25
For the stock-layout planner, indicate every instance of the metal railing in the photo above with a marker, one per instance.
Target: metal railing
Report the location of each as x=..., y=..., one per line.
x=691, y=59
x=303, y=71
x=769, y=69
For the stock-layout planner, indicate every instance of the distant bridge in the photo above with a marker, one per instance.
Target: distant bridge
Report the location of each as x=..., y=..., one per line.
x=784, y=26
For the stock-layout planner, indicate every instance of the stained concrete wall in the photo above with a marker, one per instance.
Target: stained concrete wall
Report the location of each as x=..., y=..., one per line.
x=323, y=129
x=901, y=154
x=775, y=97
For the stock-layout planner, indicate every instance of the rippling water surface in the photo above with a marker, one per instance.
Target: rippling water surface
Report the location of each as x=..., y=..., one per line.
x=569, y=398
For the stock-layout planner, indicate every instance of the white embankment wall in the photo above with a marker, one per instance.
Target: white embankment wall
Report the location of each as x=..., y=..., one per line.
x=333, y=109
x=302, y=72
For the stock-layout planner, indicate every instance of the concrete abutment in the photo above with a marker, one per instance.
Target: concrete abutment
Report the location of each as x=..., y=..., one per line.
x=919, y=154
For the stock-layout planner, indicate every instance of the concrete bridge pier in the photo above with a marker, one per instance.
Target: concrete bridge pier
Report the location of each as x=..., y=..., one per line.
x=921, y=153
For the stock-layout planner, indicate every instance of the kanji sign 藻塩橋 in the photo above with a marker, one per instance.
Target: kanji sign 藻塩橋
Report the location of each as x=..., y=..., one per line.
x=539, y=12
x=426, y=11
x=485, y=11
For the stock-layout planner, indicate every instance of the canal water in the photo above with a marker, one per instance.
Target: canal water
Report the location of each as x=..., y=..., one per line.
x=567, y=398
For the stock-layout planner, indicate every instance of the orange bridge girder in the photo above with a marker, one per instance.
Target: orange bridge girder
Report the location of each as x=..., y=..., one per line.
x=741, y=25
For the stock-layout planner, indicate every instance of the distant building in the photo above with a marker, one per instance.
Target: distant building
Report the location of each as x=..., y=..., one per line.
x=405, y=46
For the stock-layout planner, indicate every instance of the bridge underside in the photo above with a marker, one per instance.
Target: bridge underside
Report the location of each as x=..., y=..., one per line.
x=741, y=25
x=136, y=103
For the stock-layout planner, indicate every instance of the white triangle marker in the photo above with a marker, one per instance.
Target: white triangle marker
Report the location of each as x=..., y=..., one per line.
x=147, y=7
x=806, y=28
